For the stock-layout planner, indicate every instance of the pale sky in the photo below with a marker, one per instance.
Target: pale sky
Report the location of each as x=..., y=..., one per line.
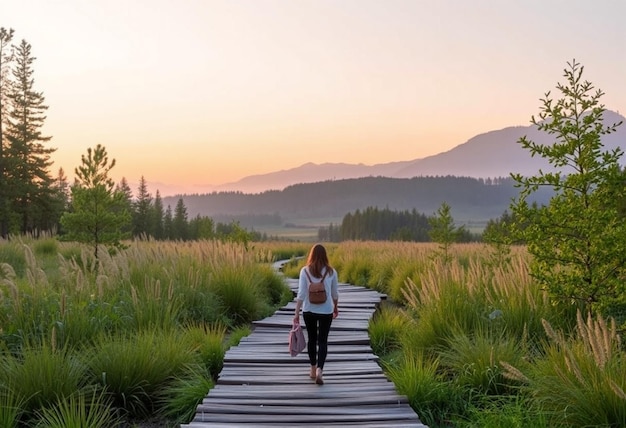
x=193, y=93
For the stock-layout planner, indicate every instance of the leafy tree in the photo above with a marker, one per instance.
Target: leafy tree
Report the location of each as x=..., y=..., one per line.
x=6, y=57
x=201, y=227
x=99, y=213
x=29, y=176
x=443, y=230
x=142, y=213
x=578, y=240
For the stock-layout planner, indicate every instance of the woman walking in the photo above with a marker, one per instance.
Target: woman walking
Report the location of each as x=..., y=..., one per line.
x=317, y=316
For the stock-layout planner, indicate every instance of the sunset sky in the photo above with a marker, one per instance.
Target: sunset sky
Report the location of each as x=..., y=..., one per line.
x=194, y=93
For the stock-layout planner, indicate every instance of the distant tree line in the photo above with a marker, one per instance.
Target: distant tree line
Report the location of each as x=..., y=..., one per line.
x=469, y=197
x=375, y=224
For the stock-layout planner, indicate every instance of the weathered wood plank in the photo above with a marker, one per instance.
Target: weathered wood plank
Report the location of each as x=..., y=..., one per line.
x=262, y=385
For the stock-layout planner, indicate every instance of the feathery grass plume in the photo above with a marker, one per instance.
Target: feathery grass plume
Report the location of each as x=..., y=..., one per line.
x=600, y=340
x=35, y=275
x=8, y=279
x=617, y=390
x=513, y=373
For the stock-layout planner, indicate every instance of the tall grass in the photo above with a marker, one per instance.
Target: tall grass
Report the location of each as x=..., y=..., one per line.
x=135, y=368
x=121, y=326
x=580, y=380
x=41, y=375
x=419, y=378
x=468, y=320
x=79, y=410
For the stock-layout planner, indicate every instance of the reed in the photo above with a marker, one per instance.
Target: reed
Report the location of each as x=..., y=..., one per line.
x=580, y=379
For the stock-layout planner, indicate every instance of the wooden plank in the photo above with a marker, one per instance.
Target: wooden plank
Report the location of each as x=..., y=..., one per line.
x=262, y=385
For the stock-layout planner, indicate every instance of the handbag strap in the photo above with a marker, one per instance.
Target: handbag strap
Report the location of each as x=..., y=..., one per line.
x=307, y=275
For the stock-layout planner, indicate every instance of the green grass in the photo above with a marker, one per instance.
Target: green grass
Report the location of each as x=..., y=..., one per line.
x=79, y=410
x=419, y=378
x=133, y=369
x=387, y=328
x=180, y=398
x=41, y=375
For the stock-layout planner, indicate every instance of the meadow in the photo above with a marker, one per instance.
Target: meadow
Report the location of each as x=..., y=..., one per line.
x=470, y=339
x=138, y=335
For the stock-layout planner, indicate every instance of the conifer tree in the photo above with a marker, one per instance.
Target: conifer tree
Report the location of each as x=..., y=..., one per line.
x=443, y=230
x=179, y=223
x=28, y=170
x=158, y=217
x=99, y=213
x=168, y=228
x=142, y=212
x=6, y=57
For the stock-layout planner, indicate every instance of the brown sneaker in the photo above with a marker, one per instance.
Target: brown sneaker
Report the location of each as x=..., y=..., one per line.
x=312, y=374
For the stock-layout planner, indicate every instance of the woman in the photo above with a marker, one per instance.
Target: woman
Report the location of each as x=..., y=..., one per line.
x=317, y=317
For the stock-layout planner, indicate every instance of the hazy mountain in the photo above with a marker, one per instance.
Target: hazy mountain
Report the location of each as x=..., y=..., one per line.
x=488, y=155
x=311, y=173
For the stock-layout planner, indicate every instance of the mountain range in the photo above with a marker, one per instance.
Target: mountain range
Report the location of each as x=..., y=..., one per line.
x=489, y=155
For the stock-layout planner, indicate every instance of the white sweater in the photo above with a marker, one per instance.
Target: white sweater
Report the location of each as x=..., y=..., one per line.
x=330, y=283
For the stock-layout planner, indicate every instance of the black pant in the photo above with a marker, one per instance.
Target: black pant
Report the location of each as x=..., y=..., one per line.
x=317, y=328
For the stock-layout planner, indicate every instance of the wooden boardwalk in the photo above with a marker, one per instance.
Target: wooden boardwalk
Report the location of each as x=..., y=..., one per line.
x=262, y=385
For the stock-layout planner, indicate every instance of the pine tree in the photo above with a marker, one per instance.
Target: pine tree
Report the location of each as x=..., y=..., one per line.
x=179, y=223
x=99, y=215
x=168, y=227
x=123, y=188
x=158, y=214
x=28, y=170
x=443, y=230
x=142, y=212
x=6, y=58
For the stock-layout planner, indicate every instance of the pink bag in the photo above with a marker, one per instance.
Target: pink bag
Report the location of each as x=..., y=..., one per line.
x=297, y=343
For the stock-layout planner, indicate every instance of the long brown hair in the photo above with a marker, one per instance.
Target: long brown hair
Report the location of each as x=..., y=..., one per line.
x=318, y=260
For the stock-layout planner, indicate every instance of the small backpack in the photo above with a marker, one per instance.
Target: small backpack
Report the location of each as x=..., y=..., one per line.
x=317, y=291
